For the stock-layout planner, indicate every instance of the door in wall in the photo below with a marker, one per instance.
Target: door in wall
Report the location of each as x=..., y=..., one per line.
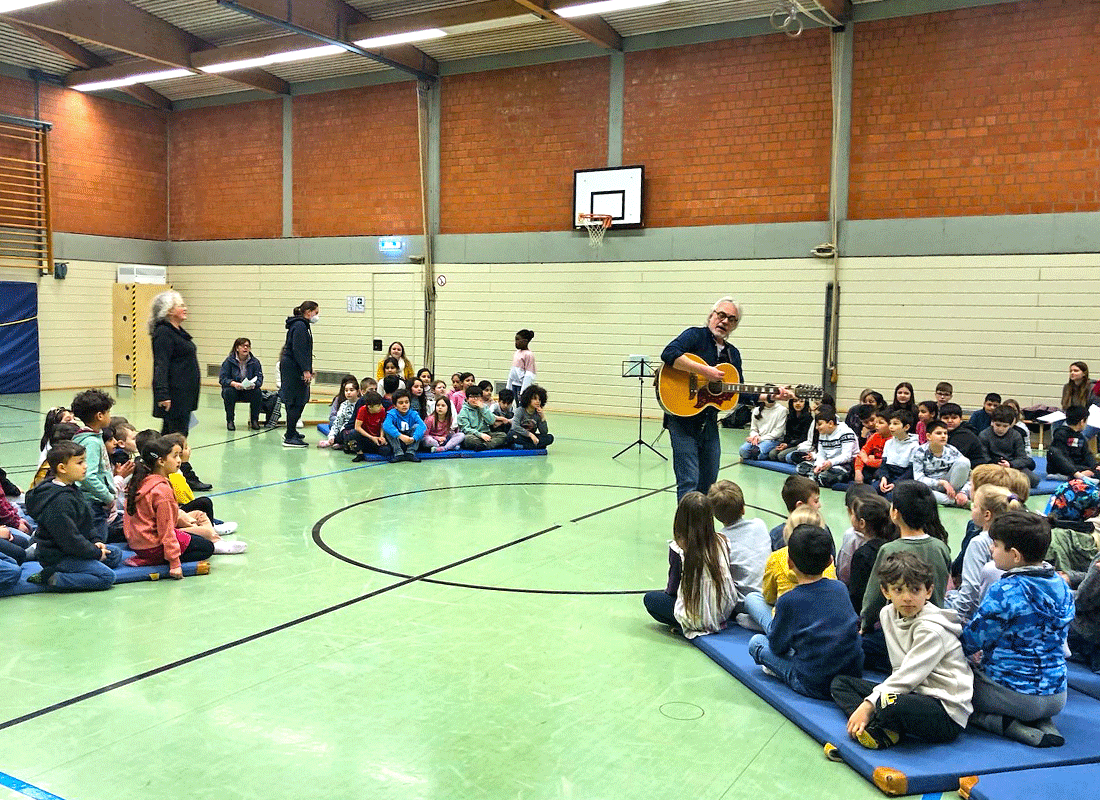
x=19, y=367
x=397, y=313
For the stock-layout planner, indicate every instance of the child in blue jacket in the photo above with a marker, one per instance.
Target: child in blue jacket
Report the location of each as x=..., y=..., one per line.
x=1015, y=638
x=403, y=428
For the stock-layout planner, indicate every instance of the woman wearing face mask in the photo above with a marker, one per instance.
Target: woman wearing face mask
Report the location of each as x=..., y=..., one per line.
x=296, y=368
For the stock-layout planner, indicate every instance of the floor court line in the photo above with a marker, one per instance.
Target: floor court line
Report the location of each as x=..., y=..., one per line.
x=26, y=789
x=11, y=723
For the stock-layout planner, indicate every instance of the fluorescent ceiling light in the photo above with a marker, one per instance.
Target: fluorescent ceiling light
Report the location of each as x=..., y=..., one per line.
x=147, y=77
x=16, y=5
x=605, y=7
x=402, y=38
x=491, y=24
x=276, y=58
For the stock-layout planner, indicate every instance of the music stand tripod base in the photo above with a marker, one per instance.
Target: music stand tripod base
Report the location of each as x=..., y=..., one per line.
x=640, y=368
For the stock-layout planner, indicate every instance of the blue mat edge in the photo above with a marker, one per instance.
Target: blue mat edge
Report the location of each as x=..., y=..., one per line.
x=1084, y=680
x=1005, y=785
x=861, y=764
x=470, y=454
x=123, y=574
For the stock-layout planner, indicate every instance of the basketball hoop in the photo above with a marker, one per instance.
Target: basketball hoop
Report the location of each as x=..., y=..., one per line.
x=596, y=225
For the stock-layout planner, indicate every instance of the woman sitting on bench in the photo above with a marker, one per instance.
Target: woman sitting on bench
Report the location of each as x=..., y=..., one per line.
x=241, y=377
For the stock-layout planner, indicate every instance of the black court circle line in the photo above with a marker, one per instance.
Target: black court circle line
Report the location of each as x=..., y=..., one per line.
x=321, y=543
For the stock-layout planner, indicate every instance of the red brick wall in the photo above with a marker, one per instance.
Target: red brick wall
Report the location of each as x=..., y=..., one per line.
x=227, y=172
x=730, y=132
x=356, y=163
x=107, y=161
x=511, y=139
x=980, y=111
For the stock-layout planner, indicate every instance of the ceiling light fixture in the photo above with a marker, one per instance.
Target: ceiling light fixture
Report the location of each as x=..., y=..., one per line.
x=275, y=58
x=147, y=77
x=7, y=6
x=604, y=7
x=401, y=38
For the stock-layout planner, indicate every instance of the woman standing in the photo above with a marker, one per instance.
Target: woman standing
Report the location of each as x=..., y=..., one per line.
x=175, y=372
x=296, y=368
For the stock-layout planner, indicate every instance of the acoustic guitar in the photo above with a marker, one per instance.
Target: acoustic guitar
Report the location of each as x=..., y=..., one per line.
x=685, y=394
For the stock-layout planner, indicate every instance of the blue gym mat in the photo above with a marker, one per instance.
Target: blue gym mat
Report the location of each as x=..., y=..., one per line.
x=469, y=454
x=1046, y=485
x=1056, y=783
x=123, y=574
x=1084, y=680
x=910, y=768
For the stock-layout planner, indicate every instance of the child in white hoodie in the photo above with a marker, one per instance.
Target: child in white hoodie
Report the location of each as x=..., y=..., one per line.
x=769, y=422
x=929, y=693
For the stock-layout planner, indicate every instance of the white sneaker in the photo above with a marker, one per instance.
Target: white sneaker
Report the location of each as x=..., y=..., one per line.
x=225, y=528
x=226, y=547
x=763, y=669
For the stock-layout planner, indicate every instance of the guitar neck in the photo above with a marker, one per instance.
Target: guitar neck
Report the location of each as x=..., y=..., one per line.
x=749, y=388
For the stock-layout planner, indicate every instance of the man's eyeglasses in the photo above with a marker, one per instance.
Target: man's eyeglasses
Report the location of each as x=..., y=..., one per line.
x=723, y=317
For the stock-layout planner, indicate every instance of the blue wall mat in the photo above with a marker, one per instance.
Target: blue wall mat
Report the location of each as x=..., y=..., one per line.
x=1084, y=680
x=18, y=337
x=910, y=768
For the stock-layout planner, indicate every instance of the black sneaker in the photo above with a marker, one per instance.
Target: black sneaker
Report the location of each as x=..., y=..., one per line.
x=413, y=457
x=294, y=443
x=230, y=425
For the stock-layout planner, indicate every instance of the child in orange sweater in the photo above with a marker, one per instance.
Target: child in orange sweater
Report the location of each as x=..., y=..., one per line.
x=152, y=513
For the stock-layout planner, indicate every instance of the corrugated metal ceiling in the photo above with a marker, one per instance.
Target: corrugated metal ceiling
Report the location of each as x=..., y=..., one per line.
x=221, y=25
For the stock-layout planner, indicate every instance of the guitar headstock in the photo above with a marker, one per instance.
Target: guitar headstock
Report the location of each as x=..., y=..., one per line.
x=806, y=391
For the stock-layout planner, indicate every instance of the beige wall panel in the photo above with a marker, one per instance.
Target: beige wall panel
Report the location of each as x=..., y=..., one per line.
x=1010, y=324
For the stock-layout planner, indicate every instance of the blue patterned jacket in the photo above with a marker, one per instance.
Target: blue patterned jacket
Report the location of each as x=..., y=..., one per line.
x=1019, y=629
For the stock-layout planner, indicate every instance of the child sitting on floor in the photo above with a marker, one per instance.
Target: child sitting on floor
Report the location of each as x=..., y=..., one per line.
x=529, y=430
x=748, y=540
x=441, y=431
x=504, y=410
x=855, y=494
x=778, y=577
x=915, y=514
x=897, y=453
x=928, y=694
x=700, y=595
x=927, y=410
x=54, y=417
x=403, y=428
x=62, y=432
x=1002, y=443
x=476, y=422
x=342, y=422
x=72, y=557
x=874, y=520
x=939, y=466
x=768, y=423
x=152, y=513
x=990, y=502
x=1084, y=631
x=797, y=491
x=814, y=619
x=189, y=504
x=368, y=436
x=796, y=430
x=1069, y=455
x=1015, y=639
x=836, y=447
x=869, y=458
x=981, y=418
x=93, y=409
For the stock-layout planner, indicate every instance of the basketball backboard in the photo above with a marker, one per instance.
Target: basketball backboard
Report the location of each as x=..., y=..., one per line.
x=616, y=191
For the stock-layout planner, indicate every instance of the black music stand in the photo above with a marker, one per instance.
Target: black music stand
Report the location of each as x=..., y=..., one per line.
x=638, y=367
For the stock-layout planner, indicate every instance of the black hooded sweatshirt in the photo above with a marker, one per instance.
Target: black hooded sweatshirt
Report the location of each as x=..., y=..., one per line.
x=64, y=523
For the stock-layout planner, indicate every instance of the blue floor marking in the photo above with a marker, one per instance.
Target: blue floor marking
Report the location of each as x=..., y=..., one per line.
x=26, y=789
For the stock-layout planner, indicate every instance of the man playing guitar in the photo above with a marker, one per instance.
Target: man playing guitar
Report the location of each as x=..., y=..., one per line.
x=696, y=448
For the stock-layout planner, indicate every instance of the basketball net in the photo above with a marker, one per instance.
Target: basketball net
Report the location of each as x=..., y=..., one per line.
x=596, y=225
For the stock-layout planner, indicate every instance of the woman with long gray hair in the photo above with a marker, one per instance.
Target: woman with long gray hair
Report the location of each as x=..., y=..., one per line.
x=175, y=372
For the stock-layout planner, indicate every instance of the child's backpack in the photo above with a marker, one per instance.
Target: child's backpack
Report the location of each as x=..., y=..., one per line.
x=273, y=407
x=1074, y=501
x=740, y=417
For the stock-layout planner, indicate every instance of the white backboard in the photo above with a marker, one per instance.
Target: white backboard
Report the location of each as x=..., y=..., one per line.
x=611, y=190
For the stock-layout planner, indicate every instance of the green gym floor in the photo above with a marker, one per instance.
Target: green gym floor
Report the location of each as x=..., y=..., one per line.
x=467, y=628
